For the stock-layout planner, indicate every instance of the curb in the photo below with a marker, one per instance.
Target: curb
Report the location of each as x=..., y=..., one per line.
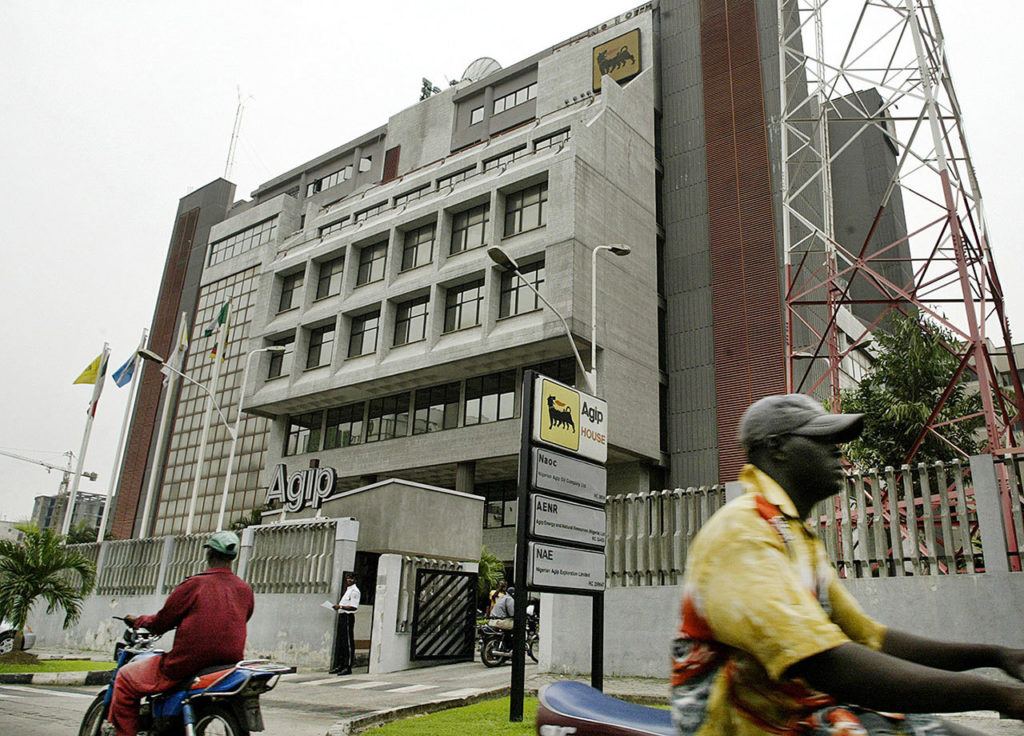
x=358, y=724
x=67, y=679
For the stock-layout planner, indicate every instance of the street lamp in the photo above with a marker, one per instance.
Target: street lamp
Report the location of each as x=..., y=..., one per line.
x=618, y=249
x=505, y=263
x=238, y=422
x=154, y=358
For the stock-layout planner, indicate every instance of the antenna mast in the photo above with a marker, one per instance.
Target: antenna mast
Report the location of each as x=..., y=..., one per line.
x=234, y=133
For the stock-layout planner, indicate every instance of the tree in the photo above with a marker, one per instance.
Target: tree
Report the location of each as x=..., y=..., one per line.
x=253, y=518
x=910, y=373
x=41, y=566
x=82, y=533
x=491, y=571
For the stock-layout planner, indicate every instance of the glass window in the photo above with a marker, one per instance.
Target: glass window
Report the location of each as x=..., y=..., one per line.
x=462, y=306
x=372, y=260
x=411, y=321
x=490, y=398
x=304, y=433
x=525, y=210
x=469, y=229
x=369, y=212
x=281, y=363
x=344, y=426
x=514, y=99
x=437, y=408
x=291, y=291
x=447, y=181
x=245, y=240
x=365, y=163
x=419, y=247
x=504, y=159
x=387, y=418
x=333, y=227
x=500, y=507
x=555, y=139
x=517, y=297
x=329, y=282
x=476, y=115
x=321, y=346
x=563, y=369
x=326, y=182
x=412, y=195
x=363, y=339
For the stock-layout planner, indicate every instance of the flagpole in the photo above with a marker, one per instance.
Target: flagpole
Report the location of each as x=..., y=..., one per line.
x=222, y=334
x=115, y=472
x=97, y=389
x=155, y=470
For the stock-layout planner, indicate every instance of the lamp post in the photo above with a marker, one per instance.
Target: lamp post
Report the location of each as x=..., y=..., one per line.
x=618, y=249
x=504, y=262
x=154, y=358
x=238, y=422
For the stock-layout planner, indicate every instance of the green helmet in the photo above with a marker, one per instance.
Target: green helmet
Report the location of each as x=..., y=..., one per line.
x=225, y=543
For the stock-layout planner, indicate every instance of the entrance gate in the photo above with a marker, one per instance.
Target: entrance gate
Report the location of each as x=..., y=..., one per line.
x=444, y=616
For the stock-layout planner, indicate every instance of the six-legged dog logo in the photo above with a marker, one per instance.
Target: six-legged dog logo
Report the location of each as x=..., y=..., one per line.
x=559, y=415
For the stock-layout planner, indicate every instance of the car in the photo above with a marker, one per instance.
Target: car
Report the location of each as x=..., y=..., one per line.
x=8, y=635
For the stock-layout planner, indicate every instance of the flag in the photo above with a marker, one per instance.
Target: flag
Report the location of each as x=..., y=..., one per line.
x=218, y=326
x=123, y=375
x=98, y=381
x=178, y=359
x=92, y=372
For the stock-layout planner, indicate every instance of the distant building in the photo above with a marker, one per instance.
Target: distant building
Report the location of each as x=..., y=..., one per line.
x=8, y=531
x=48, y=511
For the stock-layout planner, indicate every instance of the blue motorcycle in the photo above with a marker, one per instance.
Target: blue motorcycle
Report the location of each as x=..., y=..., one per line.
x=218, y=701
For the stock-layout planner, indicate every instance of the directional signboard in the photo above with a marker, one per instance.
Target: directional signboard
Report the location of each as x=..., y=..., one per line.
x=565, y=521
x=551, y=566
x=570, y=420
x=567, y=476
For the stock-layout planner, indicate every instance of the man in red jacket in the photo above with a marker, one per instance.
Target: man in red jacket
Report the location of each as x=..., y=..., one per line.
x=209, y=611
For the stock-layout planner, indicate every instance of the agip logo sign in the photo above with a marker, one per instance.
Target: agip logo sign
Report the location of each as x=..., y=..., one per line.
x=302, y=488
x=618, y=58
x=569, y=419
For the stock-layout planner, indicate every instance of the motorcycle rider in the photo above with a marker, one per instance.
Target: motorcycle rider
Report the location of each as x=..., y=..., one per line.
x=209, y=611
x=502, y=616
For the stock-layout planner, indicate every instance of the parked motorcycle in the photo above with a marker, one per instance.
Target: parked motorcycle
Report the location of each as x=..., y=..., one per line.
x=568, y=707
x=222, y=700
x=496, y=644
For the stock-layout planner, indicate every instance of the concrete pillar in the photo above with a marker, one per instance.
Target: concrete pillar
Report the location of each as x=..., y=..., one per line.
x=165, y=560
x=733, y=489
x=990, y=513
x=465, y=476
x=245, y=553
x=346, y=534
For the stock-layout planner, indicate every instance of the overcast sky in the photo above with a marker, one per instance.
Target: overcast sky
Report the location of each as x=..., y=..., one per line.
x=111, y=111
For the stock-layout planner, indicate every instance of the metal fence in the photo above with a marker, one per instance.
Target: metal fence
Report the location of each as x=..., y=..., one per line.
x=292, y=558
x=407, y=586
x=130, y=567
x=649, y=533
x=1013, y=467
x=187, y=558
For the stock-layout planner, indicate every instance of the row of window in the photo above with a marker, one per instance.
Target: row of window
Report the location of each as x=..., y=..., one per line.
x=337, y=177
x=463, y=309
x=539, y=144
x=482, y=399
x=242, y=241
x=506, y=102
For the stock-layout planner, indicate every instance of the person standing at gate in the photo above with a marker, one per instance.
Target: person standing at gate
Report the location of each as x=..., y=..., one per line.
x=345, y=631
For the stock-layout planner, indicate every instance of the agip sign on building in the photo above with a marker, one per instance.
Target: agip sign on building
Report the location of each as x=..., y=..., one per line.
x=569, y=420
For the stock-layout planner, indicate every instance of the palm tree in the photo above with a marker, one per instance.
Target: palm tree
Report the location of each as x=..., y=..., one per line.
x=41, y=566
x=489, y=573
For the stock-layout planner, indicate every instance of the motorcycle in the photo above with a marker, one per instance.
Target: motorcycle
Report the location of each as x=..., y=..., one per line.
x=222, y=700
x=568, y=707
x=496, y=644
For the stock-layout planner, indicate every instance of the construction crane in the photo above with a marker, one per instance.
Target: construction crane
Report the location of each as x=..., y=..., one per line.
x=66, y=470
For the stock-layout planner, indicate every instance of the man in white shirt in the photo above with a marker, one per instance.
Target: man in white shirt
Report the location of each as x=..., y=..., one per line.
x=344, y=637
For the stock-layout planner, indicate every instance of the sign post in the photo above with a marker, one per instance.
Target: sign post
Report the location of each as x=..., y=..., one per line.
x=561, y=524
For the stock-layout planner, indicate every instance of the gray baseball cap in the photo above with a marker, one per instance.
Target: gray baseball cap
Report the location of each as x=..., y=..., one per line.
x=797, y=414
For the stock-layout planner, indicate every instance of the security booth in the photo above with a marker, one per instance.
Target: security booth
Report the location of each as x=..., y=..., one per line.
x=416, y=562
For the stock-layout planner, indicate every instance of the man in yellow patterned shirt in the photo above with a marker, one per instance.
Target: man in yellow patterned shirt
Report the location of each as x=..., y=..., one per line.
x=772, y=643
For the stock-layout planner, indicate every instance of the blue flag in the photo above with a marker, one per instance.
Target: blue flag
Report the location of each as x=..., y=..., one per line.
x=123, y=375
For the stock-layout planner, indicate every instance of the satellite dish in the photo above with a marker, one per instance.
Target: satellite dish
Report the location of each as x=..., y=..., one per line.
x=479, y=69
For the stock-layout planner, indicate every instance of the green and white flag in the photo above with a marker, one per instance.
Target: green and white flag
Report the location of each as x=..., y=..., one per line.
x=218, y=326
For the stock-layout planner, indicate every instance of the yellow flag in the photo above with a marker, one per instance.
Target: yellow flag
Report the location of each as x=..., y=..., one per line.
x=90, y=374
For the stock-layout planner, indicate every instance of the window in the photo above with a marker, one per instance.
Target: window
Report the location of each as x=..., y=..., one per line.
x=524, y=210
x=500, y=507
x=240, y=242
x=412, y=196
x=419, y=247
x=333, y=227
x=329, y=282
x=291, y=288
x=563, y=369
x=462, y=306
x=363, y=339
x=281, y=363
x=516, y=297
x=387, y=418
x=344, y=426
x=437, y=408
x=514, y=99
x=304, y=433
x=369, y=212
x=365, y=163
x=469, y=229
x=476, y=115
x=372, y=260
x=555, y=139
x=411, y=321
x=490, y=398
x=446, y=181
x=326, y=182
x=504, y=159
x=321, y=346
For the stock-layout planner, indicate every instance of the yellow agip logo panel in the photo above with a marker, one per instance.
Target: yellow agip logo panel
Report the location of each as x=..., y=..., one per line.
x=560, y=415
x=618, y=58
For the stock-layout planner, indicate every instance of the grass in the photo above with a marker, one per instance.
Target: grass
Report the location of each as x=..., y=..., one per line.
x=486, y=717
x=55, y=665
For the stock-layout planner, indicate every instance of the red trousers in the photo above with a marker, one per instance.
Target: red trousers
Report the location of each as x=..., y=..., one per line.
x=137, y=678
